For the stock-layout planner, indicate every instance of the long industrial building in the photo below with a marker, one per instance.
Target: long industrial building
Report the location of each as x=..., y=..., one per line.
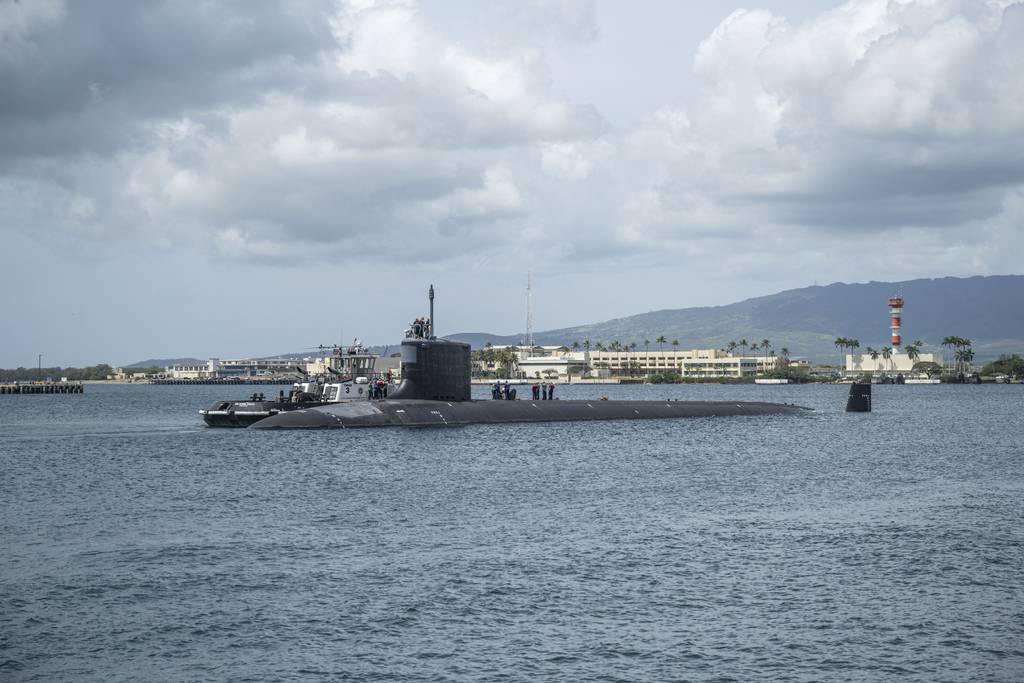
x=557, y=363
x=241, y=367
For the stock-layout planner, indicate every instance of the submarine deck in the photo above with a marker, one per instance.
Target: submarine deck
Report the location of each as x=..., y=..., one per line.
x=422, y=413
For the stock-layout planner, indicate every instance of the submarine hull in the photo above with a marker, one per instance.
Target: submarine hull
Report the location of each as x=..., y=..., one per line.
x=423, y=413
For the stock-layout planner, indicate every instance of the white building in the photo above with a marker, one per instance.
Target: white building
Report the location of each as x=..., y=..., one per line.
x=559, y=363
x=245, y=367
x=691, y=363
x=896, y=363
x=199, y=370
x=558, y=366
x=254, y=367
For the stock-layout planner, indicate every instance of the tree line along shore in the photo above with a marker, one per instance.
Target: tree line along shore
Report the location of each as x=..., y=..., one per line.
x=1011, y=366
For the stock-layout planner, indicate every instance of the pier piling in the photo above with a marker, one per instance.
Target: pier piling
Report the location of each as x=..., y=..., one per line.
x=38, y=388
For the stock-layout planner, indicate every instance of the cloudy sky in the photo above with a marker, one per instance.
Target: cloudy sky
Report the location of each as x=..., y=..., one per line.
x=235, y=178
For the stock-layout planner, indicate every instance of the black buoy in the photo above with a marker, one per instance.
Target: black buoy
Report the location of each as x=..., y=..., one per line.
x=860, y=398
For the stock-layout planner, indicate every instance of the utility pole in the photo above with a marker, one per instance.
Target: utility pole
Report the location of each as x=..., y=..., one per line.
x=528, y=341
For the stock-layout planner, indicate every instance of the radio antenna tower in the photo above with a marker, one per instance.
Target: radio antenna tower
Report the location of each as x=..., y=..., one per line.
x=528, y=339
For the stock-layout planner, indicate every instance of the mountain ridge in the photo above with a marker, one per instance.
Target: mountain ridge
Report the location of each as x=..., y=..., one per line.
x=807, y=320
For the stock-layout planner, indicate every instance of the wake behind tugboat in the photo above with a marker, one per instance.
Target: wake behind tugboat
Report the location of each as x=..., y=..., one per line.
x=435, y=391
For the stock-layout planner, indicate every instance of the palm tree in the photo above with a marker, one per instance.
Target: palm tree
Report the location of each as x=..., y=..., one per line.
x=852, y=344
x=743, y=343
x=874, y=356
x=785, y=355
x=949, y=342
x=586, y=345
x=887, y=354
x=959, y=344
x=506, y=359
x=731, y=346
x=576, y=345
x=661, y=341
x=964, y=356
x=840, y=344
x=675, y=345
x=912, y=352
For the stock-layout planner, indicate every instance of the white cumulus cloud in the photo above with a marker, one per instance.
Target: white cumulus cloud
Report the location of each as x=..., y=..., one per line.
x=877, y=118
x=325, y=128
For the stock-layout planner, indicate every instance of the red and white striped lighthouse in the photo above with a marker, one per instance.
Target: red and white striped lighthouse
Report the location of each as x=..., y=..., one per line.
x=896, y=320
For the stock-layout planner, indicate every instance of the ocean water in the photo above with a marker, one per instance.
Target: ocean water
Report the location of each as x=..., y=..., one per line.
x=136, y=544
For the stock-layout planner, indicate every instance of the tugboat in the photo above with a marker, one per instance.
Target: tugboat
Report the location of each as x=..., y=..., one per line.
x=348, y=376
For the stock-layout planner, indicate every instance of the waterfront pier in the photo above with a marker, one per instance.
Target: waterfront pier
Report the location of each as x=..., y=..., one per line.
x=34, y=388
x=227, y=380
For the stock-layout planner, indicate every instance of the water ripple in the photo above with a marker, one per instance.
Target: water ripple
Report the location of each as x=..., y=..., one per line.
x=834, y=547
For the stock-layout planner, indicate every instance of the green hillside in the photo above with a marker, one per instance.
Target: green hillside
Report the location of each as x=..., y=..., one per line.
x=987, y=310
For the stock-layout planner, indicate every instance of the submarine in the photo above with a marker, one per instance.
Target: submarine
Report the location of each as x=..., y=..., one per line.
x=435, y=391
